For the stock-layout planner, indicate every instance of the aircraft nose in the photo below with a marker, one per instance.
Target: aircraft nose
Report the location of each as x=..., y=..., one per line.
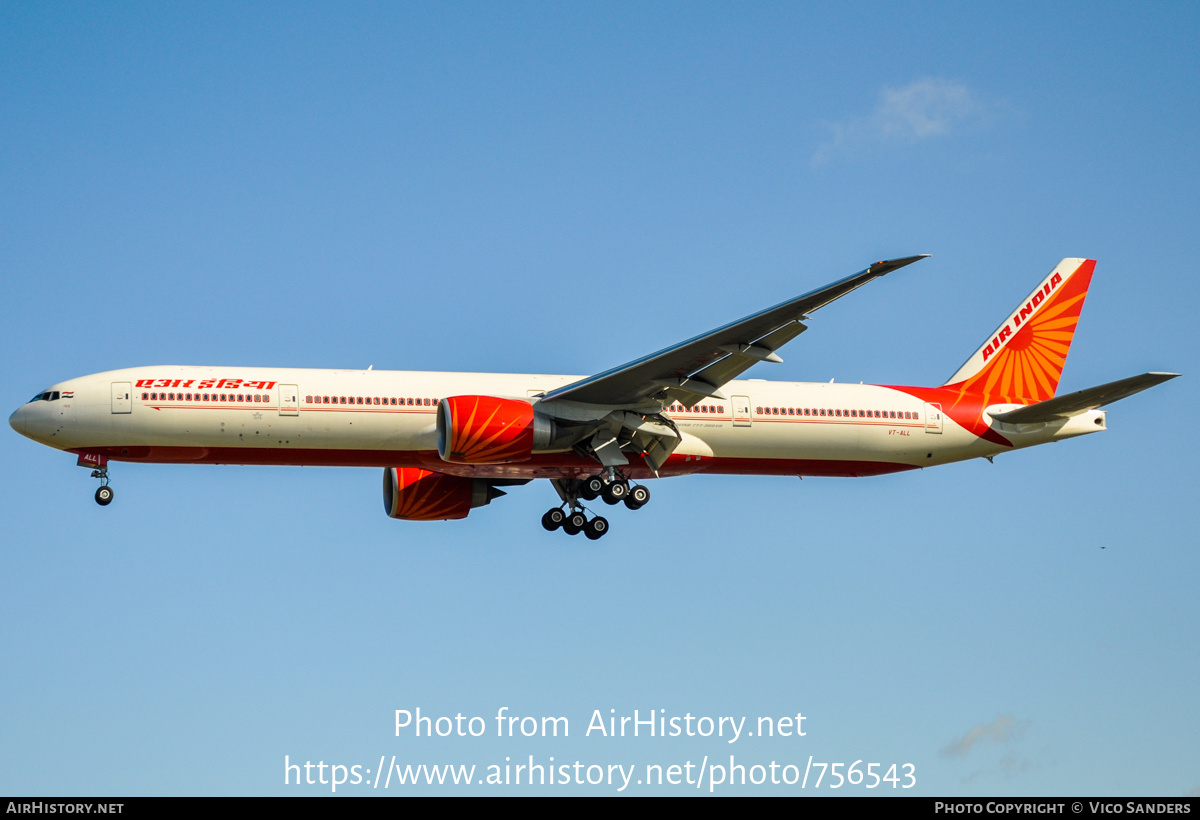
x=19, y=419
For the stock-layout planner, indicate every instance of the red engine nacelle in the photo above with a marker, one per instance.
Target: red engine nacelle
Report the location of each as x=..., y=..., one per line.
x=489, y=430
x=422, y=495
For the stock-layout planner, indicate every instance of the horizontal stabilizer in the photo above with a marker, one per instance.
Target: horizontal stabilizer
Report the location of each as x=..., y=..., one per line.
x=1074, y=403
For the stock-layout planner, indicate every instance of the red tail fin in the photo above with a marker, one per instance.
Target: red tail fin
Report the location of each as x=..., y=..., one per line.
x=1022, y=361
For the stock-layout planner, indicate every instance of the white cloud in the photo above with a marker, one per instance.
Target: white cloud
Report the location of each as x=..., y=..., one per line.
x=924, y=109
x=1004, y=729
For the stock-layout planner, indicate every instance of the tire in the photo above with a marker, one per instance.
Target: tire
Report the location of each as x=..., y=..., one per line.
x=575, y=523
x=638, y=495
x=104, y=496
x=592, y=487
x=553, y=519
x=616, y=492
x=596, y=528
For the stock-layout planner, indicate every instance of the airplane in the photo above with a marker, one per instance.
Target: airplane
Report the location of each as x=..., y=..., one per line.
x=447, y=442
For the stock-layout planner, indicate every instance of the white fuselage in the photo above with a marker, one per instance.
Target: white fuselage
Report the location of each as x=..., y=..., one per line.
x=232, y=415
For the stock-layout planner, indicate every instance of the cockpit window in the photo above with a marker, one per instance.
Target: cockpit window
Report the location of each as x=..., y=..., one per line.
x=49, y=395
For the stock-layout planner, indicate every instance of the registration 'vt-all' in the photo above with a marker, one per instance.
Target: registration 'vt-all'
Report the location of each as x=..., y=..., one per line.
x=447, y=442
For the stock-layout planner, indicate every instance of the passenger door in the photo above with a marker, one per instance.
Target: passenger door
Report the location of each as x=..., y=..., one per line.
x=289, y=400
x=741, y=411
x=122, y=397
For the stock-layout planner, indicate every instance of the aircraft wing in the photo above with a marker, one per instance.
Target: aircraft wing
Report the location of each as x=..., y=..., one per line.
x=697, y=368
x=1061, y=407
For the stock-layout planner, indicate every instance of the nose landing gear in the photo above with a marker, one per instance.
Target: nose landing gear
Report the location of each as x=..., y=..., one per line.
x=104, y=495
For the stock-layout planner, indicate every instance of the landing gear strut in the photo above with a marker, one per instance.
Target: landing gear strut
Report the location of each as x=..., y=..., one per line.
x=572, y=517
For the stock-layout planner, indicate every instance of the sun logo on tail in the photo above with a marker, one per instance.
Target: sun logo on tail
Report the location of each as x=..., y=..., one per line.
x=1023, y=360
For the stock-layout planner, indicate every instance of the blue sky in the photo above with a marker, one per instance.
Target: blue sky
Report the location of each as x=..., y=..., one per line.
x=561, y=188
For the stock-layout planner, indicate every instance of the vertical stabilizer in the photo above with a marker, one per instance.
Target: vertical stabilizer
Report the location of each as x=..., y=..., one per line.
x=1022, y=360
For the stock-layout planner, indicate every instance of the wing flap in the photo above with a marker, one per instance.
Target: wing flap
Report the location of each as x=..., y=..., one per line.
x=743, y=357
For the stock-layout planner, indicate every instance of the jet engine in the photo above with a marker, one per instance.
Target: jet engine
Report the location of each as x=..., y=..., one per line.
x=422, y=495
x=490, y=430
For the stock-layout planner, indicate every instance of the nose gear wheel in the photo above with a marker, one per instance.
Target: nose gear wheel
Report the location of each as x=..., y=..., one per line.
x=104, y=495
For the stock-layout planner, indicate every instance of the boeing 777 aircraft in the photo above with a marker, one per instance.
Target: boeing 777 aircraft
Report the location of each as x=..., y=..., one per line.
x=448, y=441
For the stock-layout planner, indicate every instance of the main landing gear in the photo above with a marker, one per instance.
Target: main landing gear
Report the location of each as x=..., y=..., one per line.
x=571, y=516
x=573, y=521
